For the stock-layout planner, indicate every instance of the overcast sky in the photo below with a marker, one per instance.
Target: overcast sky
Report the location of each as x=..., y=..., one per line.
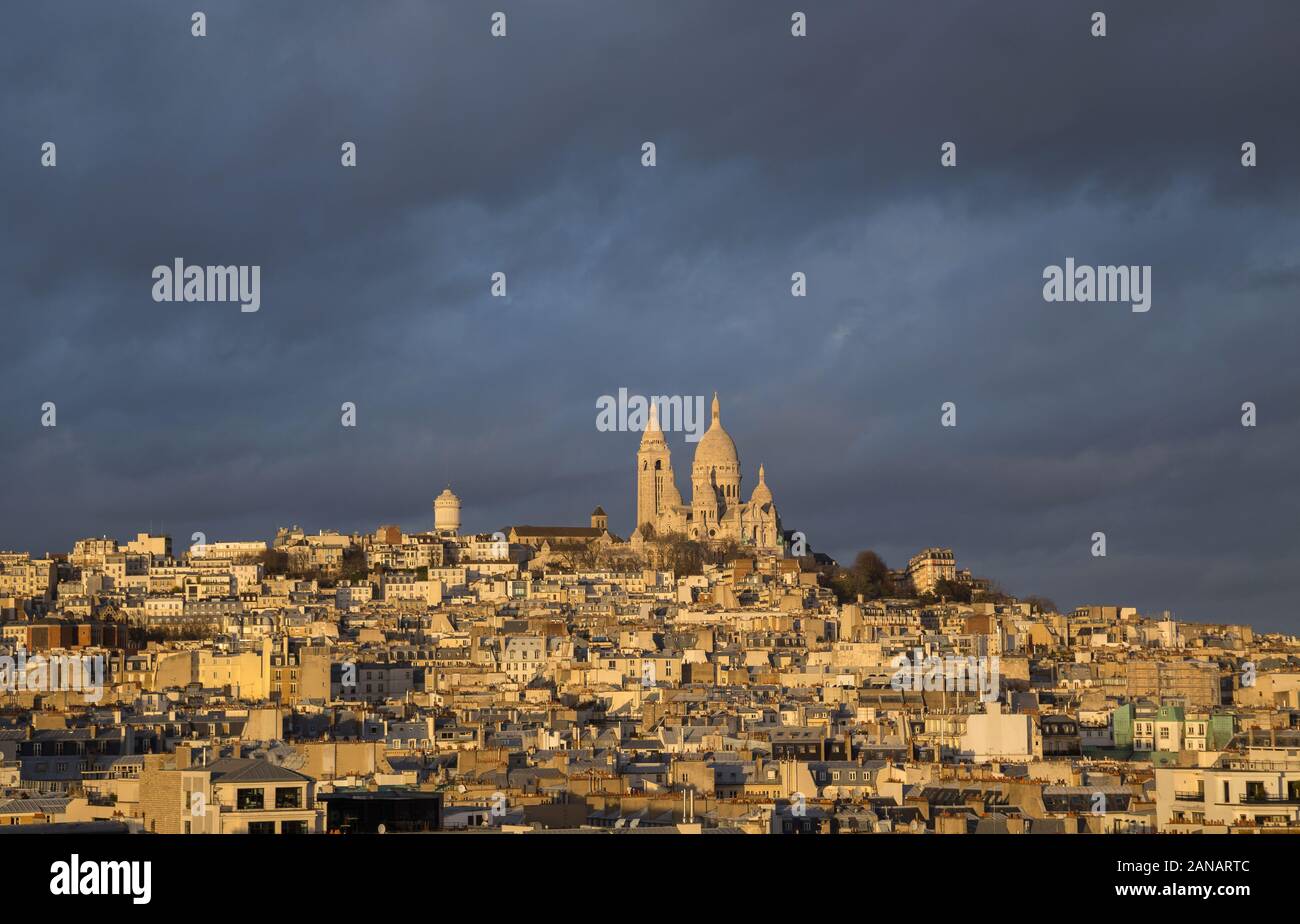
x=775, y=155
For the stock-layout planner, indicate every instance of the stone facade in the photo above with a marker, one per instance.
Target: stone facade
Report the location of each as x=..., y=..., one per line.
x=716, y=512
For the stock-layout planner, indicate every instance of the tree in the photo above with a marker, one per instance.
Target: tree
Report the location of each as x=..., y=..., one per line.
x=868, y=576
x=684, y=556
x=955, y=591
x=354, y=565
x=995, y=594
x=274, y=562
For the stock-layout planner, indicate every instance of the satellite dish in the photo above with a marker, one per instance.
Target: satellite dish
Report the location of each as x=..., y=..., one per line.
x=381, y=829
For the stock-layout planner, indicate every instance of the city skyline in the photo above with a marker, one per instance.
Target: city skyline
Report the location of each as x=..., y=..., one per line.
x=895, y=553
x=586, y=424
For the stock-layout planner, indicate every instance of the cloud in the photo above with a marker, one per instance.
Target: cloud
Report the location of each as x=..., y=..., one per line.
x=775, y=155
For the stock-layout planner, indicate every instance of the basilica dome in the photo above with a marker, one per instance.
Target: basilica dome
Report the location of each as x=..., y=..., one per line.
x=716, y=448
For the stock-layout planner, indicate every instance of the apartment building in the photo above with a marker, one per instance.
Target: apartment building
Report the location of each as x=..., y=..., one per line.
x=184, y=793
x=1253, y=785
x=930, y=566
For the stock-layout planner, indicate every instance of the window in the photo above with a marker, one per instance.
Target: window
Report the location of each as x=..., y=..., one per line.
x=288, y=797
x=249, y=800
x=293, y=827
x=261, y=827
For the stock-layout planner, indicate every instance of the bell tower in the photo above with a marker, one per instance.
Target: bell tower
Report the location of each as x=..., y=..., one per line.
x=653, y=470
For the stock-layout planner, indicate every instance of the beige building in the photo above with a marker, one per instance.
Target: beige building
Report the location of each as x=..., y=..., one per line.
x=998, y=735
x=248, y=674
x=1255, y=785
x=153, y=546
x=1197, y=683
x=182, y=794
x=930, y=566
x=22, y=577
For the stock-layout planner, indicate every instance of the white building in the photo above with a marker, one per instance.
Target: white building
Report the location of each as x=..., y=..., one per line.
x=996, y=735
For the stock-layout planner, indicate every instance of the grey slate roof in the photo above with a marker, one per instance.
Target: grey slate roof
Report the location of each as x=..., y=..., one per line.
x=248, y=770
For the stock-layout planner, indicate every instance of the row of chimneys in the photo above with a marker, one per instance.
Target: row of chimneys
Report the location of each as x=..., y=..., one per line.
x=196, y=755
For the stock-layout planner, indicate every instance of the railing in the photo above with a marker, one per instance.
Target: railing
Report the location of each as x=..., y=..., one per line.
x=1242, y=763
x=1189, y=796
x=1265, y=798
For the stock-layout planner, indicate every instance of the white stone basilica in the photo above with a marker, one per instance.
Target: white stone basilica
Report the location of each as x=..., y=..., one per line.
x=716, y=511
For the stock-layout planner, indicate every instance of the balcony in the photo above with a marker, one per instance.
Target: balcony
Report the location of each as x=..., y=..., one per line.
x=1192, y=796
x=1265, y=798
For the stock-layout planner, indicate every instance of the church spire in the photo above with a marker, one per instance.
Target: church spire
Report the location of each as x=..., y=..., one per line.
x=716, y=406
x=761, y=494
x=653, y=436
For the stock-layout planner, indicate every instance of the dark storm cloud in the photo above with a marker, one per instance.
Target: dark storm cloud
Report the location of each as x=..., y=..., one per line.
x=775, y=155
